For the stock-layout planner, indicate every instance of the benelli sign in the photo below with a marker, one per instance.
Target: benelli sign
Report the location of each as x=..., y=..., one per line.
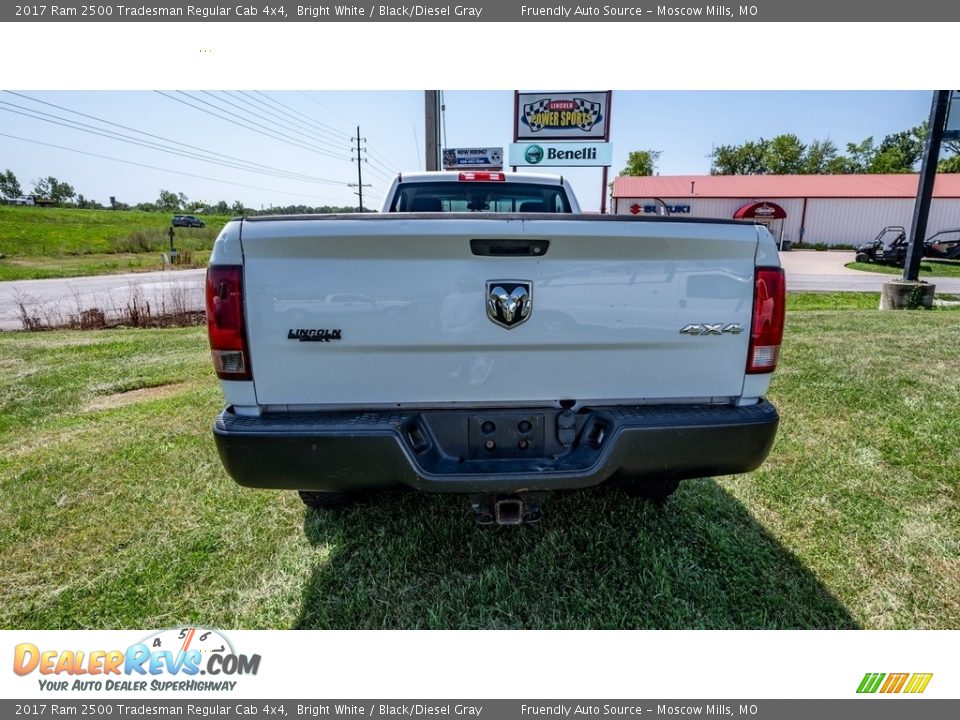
x=561, y=154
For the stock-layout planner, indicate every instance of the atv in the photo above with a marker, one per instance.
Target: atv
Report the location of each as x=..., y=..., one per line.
x=889, y=247
x=944, y=245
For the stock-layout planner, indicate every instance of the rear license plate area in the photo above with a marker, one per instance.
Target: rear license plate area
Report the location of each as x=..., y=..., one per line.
x=505, y=435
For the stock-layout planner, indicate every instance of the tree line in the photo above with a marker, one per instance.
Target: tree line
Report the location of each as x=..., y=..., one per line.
x=63, y=193
x=787, y=154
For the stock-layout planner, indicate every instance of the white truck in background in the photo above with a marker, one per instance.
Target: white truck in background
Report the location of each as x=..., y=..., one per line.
x=481, y=335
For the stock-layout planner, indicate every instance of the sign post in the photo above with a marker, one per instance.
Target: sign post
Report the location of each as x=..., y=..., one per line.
x=928, y=174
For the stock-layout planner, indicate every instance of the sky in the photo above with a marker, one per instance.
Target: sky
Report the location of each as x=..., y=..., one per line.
x=316, y=168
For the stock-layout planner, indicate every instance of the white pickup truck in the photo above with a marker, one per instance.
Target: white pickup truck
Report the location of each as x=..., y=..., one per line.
x=481, y=335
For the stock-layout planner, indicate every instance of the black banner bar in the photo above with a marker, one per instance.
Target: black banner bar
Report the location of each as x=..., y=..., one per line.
x=641, y=11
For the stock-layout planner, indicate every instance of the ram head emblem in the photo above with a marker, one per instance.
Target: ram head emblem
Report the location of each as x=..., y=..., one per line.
x=509, y=302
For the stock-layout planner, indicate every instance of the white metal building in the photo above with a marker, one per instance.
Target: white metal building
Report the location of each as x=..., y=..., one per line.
x=831, y=209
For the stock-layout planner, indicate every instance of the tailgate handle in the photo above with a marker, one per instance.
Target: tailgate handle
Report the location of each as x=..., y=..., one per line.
x=509, y=248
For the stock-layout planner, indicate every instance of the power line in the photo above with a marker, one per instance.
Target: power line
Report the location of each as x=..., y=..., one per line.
x=377, y=173
x=389, y=160
x=417, y=146
x=379, y=164
x=120, y=137
x=323, y=127
x=275, y=136
x=326, y=107
x=166, y=170
x=164, y=139
x=325, y=136
x=272, y=119
x=308, y=143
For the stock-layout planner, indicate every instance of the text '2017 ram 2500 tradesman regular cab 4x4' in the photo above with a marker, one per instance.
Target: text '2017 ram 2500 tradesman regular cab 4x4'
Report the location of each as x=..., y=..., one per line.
x=480, y=335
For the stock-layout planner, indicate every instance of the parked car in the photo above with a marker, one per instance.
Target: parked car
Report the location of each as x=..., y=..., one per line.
x=34, y=200
x=187, y=221
x=889, y=247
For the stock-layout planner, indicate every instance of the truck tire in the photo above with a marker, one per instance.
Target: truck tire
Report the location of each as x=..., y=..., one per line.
x=325, y=500
x=655, y=491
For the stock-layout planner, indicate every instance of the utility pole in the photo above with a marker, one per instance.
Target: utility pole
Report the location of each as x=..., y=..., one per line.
x=359, y=160
x=432, y=135
x=928, y=174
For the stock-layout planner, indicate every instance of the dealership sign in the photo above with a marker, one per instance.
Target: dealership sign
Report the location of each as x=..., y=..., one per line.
x=561, y=116
x=589, y=154
x=473, y=158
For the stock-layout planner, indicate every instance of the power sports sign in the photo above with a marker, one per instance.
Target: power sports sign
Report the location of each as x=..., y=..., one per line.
x=561, y=116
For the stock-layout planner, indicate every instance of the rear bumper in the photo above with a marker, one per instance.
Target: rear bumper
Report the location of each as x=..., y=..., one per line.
x=437, y=451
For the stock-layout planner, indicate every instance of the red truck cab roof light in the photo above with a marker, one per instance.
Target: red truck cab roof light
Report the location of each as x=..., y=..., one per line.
x=226, y=328
x=766, y=332
x=487, y=176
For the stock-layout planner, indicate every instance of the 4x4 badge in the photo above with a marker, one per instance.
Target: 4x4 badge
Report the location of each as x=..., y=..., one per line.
x=509, y=302
x=712, y=329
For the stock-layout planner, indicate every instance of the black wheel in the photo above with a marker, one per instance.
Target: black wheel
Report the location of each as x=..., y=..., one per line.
x=656, y=491
x=862, y=257
x=325, y=500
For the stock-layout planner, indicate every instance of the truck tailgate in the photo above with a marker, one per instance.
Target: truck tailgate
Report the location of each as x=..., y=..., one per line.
x=374, y=311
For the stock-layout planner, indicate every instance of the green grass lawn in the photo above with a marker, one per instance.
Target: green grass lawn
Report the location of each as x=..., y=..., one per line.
x=67, y=266
x=116, y=512
x=42, y=242
x=928, y=268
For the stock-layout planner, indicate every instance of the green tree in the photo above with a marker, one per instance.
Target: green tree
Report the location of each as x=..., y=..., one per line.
x=9, y=185
x=820, y=157
x=56, y=190
x=949, y=165
x=860, y=156
x=745, y=159
x=641, y=163
x=87, y=203
x=238, y=208
x=784, y=155
x=901, y=152
x=169, y=201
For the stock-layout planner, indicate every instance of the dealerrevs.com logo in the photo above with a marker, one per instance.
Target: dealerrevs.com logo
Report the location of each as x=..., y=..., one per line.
x=179, y=659
x=893, y=683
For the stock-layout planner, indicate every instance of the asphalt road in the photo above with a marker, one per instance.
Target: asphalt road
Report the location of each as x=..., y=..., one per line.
x=806, y=270
x=52, y=298
x=812, y=270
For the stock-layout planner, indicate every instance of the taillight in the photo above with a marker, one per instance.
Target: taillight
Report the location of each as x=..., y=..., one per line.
x=766, y=333
x=225, y=326
x=494, y=176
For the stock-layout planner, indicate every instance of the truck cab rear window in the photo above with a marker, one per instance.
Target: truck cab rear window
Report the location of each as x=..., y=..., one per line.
x=494, y=197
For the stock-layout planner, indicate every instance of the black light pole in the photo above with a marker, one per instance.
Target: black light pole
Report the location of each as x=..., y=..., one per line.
x=928, y=174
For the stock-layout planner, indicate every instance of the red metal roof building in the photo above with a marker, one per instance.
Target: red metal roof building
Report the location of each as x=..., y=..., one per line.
x=832, y=209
